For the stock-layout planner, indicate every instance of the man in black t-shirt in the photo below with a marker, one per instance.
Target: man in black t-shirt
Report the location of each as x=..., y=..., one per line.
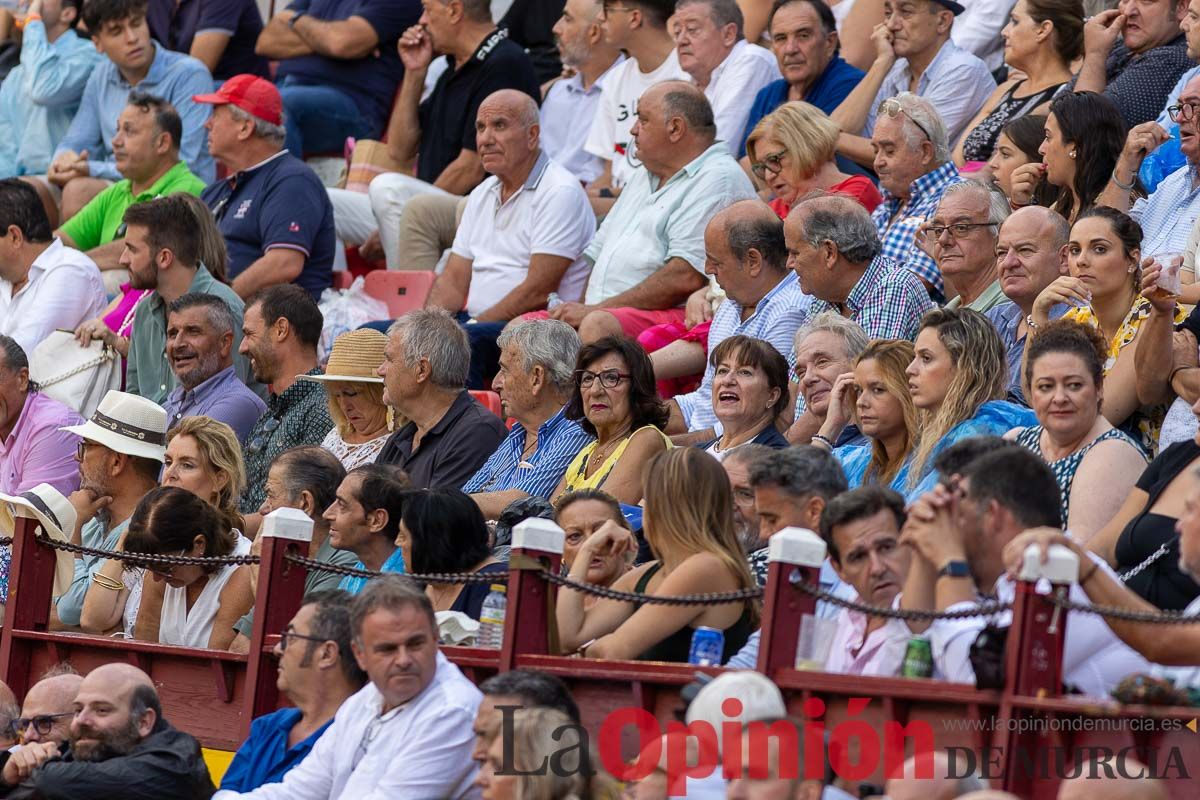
x=439, y=132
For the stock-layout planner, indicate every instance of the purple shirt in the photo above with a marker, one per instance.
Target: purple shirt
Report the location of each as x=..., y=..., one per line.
x=223, y=397
x=37, y=451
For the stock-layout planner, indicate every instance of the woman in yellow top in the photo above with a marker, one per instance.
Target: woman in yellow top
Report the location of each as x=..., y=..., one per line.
x=1103, y=255
x=616, y=401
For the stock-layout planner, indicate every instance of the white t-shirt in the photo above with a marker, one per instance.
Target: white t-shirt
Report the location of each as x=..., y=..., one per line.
x=549, y=215
x=733, y=86
x=609, y=137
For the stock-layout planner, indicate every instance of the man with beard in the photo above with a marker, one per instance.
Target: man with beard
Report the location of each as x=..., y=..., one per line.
x=200, y=329
x=120, y=746
x=119, y=460
x=162, y=252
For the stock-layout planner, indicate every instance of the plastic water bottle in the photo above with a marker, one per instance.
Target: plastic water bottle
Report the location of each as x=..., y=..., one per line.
x=553, y=300
x=491, y=617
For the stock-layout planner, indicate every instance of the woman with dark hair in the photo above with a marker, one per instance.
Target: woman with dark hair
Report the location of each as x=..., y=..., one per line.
x=749, y=392
x=1093, y=462
x=580, y=514
x=1041, y=40
x=443, y=530
x=187, y=605
x=1103, y=256
x=616, y=401
x=1084, y=135
x=1017, y=146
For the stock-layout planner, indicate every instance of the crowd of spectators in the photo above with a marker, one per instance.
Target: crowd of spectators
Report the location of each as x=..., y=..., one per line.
x=901, y=273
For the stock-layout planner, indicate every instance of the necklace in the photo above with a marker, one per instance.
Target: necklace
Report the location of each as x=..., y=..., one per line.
x=607, y=450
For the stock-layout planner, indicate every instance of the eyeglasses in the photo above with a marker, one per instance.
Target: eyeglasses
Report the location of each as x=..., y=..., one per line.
x=81, y=449
x=958, y=230
x=373, y=729
x=892, y=108
x=263, y=436
x=164, y=570
x=42, y=723
x=609, y=378
x=1182, y=112
x=771, y=161
x=283, y=638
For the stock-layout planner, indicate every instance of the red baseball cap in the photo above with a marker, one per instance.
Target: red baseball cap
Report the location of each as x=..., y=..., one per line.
x=251, y=94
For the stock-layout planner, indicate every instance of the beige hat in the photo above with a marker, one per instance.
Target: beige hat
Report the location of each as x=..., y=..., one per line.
x=354, y=358
x=57, y=517
x=126, y=423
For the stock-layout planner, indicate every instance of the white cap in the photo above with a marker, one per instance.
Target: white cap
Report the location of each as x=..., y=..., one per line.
x=760, y=699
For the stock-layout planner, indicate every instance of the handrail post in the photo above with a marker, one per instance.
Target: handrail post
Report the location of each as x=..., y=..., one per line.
x=784, y=606
x=30, y=592
x=279, y=595
x=1034, y=653
x=537, y=545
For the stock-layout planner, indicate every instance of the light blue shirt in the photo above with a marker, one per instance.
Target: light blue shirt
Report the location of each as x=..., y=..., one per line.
x=957, y=82
x=40, y=96
x=70, y=605
x=355, y=584
x=1168, y=215
x=175, y=77
x=653, y=222
x=775, y=320
x=568, y=109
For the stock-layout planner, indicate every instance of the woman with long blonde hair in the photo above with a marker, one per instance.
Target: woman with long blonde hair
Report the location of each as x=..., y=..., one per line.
x=884, y=412
x=957, y=377
x=688, y=522
x=535, y=735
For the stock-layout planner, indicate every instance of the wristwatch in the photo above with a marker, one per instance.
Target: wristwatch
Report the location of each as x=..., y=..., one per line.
x=955, y=569
x=296, y=16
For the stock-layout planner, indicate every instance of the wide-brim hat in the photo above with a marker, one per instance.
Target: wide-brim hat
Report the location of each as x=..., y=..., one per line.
x=126, y=423
x=354, y=358
x=57, y=518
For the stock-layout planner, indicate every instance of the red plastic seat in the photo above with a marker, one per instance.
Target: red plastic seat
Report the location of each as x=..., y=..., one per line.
x=489, y=400
x=402, y=291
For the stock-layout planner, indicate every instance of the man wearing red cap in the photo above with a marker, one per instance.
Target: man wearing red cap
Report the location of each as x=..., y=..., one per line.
x=272, y=210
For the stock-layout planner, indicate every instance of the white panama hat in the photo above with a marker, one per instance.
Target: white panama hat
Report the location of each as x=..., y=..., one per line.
x=57, y=518
x=126, y=423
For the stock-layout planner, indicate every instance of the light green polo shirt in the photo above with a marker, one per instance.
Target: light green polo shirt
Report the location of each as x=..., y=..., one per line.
x=992, y=296
x=97, y=222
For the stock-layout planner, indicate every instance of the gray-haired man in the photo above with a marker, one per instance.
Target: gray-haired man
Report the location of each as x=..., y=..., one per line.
x=962, y=238
x=424, y=374
x=537, y=363
x=200, y=332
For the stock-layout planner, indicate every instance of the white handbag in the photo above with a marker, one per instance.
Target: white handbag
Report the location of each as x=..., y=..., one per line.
x=74, y=375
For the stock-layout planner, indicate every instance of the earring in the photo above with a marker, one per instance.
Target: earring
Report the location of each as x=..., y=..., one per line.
x=1072, y=154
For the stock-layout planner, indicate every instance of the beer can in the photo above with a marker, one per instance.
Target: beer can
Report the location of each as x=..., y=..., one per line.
x=708, y=647
x=918, y=659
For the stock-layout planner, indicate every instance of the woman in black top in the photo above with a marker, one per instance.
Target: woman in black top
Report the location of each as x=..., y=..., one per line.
x=1141, y=542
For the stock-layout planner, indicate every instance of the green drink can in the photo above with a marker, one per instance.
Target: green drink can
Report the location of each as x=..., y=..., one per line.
x=918, y=659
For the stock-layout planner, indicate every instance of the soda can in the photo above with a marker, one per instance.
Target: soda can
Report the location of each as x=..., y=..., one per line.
x=708, y=647
x=918, y=659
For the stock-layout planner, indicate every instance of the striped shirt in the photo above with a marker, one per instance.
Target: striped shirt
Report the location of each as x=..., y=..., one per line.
x=888, y=301
x=1168, y=215
x=775, y=320
x=898, y=220
x=559, y=440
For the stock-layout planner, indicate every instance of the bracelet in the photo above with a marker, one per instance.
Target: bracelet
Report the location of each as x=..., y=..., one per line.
x=106, y=582
x=292, y=22
x=1091, y=572
x=825, y=440
x=1029, y=323
x=1125, y=187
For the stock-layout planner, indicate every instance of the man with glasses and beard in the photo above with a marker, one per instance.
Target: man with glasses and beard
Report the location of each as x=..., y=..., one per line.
x=120, y=746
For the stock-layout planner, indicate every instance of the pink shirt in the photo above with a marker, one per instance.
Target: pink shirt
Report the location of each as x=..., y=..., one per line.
x=881, y=654
x=37, y=451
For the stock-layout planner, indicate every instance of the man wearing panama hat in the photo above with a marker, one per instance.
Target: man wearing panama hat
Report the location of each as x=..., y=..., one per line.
x=119, y=460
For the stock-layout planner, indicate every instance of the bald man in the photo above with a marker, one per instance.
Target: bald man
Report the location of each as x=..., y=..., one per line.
x=648, y=256
x=907, y=786
x=48, y=708
x=1110, y=784
x=120, y=746
x=1031, y=252
x=522, y=234
x=745, y=253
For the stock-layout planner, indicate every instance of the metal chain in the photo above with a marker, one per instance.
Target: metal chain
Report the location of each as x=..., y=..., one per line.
x=1155, y=556
x=147, y=558
x=906, y=614
x=1128, y=615
x=707, y=599
x=5, y=541
x=432, y=577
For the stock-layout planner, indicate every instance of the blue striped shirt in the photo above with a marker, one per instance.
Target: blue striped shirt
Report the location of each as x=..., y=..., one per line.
x=775, y=320
x=1168, y=215
x=559, y=440
x=898, y=236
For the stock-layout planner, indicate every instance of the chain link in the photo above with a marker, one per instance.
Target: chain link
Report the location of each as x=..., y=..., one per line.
x=142, y=559
x=707, y=599
x=5, y=541
x=432, y=577
x=1159, y=617
x=906, y=614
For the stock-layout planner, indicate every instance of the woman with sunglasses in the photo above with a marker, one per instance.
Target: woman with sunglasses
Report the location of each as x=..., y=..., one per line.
x=615, y=401
x=187, y=605
x=791, y=152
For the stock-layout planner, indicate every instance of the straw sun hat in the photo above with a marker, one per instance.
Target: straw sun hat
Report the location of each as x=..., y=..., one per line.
x=354, y=358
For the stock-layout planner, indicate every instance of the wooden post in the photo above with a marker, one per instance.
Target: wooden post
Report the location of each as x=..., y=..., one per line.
x=537, y=544
x=279, y=595
x=30, y=588
x=784, y=606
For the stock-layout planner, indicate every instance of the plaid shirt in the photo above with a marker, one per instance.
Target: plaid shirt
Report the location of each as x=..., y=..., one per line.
x=924, y=194
x=559, y=440
x=888, y=301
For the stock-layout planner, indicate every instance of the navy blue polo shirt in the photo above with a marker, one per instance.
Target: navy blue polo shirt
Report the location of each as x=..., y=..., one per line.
x=277, y=203
x=175, y=25
x=827, y=93
x=370, y=81
x=448, y=115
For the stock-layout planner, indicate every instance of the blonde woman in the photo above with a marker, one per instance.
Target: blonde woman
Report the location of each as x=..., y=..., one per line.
x=203, y=456
x=689, y=524
x=957, y=376
x=791, y=152
x=361, y=423
x=883, y=411
x=510, y=770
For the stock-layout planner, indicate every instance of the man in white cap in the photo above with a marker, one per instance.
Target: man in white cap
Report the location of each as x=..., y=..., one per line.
x=120, y=458
x=56, y=517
